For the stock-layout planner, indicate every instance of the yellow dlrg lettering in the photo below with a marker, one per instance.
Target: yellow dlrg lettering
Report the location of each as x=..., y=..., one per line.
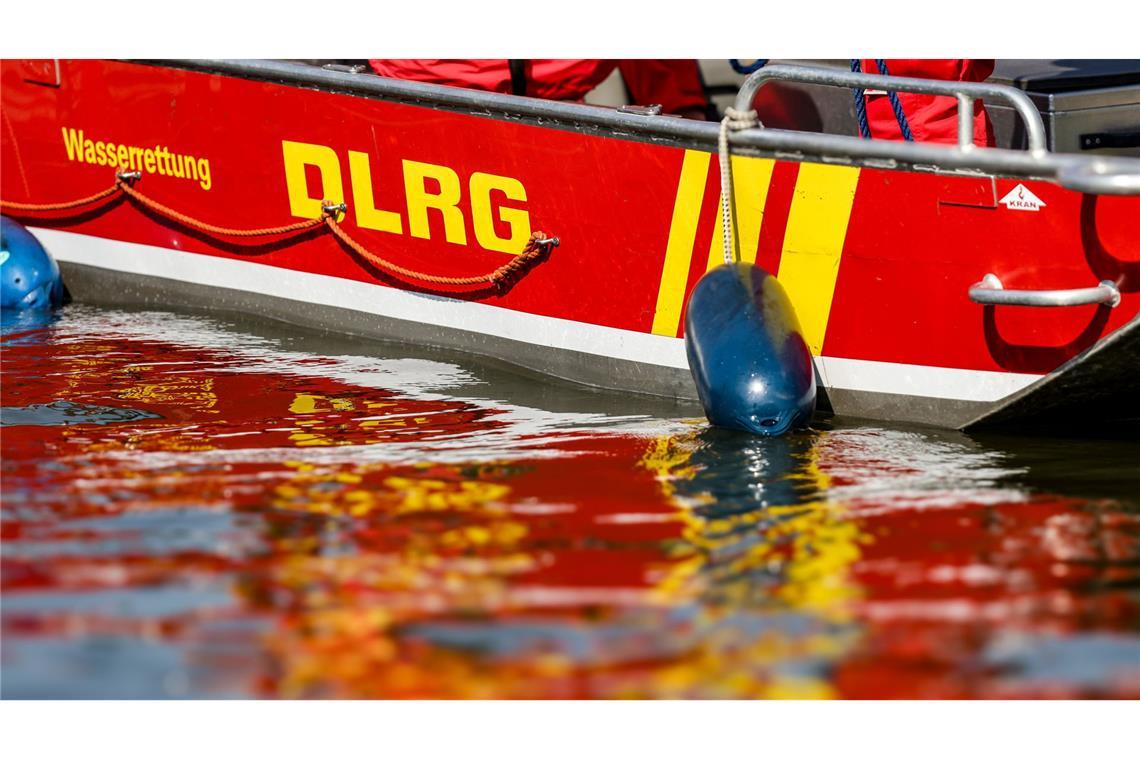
x=297, y=156
x=446, y=201
x=363, y=199
x=482, y=215
x=496, y=201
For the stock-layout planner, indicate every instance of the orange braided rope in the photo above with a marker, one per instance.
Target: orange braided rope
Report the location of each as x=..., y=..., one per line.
x=63, y=206
x=536, y=251
x=198, y=224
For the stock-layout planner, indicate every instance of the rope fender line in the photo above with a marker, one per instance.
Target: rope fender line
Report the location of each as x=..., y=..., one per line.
x=733, y=121
x=537, y=248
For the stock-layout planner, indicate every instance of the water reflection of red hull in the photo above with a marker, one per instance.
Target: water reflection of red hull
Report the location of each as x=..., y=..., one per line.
x=605, y=563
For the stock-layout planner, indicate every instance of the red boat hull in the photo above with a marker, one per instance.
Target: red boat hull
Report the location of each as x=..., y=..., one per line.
x=878, y=262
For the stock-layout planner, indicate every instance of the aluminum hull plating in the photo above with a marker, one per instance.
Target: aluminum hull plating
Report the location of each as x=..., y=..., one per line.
x=878, y=261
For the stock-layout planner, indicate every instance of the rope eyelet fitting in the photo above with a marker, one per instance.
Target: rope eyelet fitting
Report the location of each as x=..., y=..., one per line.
x=128, y=177
x=333, y=210
x=554, y=241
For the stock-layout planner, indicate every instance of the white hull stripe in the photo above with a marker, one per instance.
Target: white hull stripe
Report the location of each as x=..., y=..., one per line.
x=565, y=334
x=920, y=380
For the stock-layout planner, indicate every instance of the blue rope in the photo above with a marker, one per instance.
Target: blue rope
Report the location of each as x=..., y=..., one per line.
x=896, y=104
x=860, y=104
x=740, y=68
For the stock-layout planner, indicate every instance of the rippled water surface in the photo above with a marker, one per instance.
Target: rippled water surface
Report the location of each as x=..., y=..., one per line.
x=197, y=508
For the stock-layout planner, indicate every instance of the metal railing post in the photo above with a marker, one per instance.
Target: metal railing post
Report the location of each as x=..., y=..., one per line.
x=965, y=122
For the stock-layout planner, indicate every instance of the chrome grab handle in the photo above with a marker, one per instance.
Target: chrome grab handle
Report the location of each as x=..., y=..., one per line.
x=965, y=92
x=991, y=293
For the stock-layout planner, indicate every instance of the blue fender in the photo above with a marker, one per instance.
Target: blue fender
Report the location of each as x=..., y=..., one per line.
x=29, y=276
x=752, y=367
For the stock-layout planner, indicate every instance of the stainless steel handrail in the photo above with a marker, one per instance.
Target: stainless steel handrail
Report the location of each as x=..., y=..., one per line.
x=965, y=92
x=1087, y=174
x=990, y=292
x=1098, y=176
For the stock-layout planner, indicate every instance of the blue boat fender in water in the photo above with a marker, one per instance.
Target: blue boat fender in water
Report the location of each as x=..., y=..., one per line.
x=752, y=367
x=29, y=276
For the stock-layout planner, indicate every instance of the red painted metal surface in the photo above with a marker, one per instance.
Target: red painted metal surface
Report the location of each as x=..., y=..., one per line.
x=911, y=256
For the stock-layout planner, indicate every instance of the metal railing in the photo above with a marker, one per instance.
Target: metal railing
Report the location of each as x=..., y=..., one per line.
x=965, y=93
x=1082, y=173
x=1088, y=174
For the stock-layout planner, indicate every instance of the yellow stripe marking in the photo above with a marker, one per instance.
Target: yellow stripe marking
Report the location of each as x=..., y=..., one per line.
x=750, y=179
x=813, y=244
x=682, y=235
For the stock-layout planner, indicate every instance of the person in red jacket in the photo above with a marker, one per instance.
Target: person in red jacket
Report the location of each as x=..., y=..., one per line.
x=675, y=84
x=932, y=118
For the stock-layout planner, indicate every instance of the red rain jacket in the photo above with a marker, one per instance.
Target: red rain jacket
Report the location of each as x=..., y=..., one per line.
x=675, y=84
x=932, y=118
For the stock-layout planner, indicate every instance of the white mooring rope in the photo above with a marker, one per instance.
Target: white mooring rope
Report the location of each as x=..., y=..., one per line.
x=734, y=120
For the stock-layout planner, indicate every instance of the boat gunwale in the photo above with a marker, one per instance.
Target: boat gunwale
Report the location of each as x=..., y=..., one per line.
x=780, y=144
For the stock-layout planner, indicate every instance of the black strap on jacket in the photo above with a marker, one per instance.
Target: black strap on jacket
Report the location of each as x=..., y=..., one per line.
x=518, y=75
